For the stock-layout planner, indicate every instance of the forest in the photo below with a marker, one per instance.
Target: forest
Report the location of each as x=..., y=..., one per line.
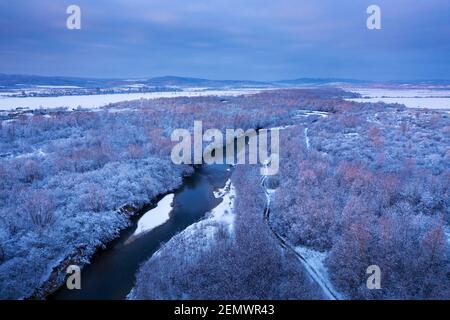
x=373, y=188
x=363, y=184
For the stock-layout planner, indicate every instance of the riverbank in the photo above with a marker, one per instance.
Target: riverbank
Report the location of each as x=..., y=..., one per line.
x=82, y=256
x=111, y=272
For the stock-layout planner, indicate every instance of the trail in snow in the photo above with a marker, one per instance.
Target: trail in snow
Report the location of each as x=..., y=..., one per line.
x=316, y=275
x=307, y=139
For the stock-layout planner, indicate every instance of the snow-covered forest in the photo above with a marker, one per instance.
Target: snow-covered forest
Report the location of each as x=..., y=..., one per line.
x=70, y=179
x=359, y=184
x=373, y=188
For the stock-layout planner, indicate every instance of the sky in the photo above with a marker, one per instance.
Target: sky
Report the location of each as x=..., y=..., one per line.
x=227, y=39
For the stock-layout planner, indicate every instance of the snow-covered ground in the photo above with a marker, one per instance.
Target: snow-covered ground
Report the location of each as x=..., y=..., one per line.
x=305, y=113
x=406, y=93
x=316, y=259
x=39, y=152
x=224, y=211
x=411, y=98
x=155, y=217
x=100, y=100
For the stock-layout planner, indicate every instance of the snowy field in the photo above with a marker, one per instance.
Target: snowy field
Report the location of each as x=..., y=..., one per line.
x=97, y=101
x=411, y=98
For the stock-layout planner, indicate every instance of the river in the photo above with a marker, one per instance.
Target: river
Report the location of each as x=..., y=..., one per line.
x=111, y=274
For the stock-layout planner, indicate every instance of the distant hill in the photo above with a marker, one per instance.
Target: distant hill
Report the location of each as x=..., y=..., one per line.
x=197, y=82
x=22, y=81
x=18, y=81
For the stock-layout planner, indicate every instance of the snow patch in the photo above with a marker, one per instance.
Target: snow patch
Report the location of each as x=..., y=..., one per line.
x=156, y=216
x=282, y=127
x=224, y=211
x=351, y=134
x=305, y=113
x=39, y=153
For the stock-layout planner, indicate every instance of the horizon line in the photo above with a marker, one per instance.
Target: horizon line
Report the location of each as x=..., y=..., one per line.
x=137, y=78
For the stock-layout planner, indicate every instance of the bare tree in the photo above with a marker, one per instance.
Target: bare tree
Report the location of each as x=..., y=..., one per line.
x=40, y=208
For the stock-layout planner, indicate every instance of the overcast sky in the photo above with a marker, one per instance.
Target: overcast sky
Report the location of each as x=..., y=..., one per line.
x=227, y=39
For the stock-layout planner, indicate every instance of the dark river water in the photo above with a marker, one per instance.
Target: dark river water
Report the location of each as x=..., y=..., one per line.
x=111, y=274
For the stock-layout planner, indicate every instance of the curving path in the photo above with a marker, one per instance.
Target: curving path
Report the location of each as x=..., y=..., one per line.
x=329, y=292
